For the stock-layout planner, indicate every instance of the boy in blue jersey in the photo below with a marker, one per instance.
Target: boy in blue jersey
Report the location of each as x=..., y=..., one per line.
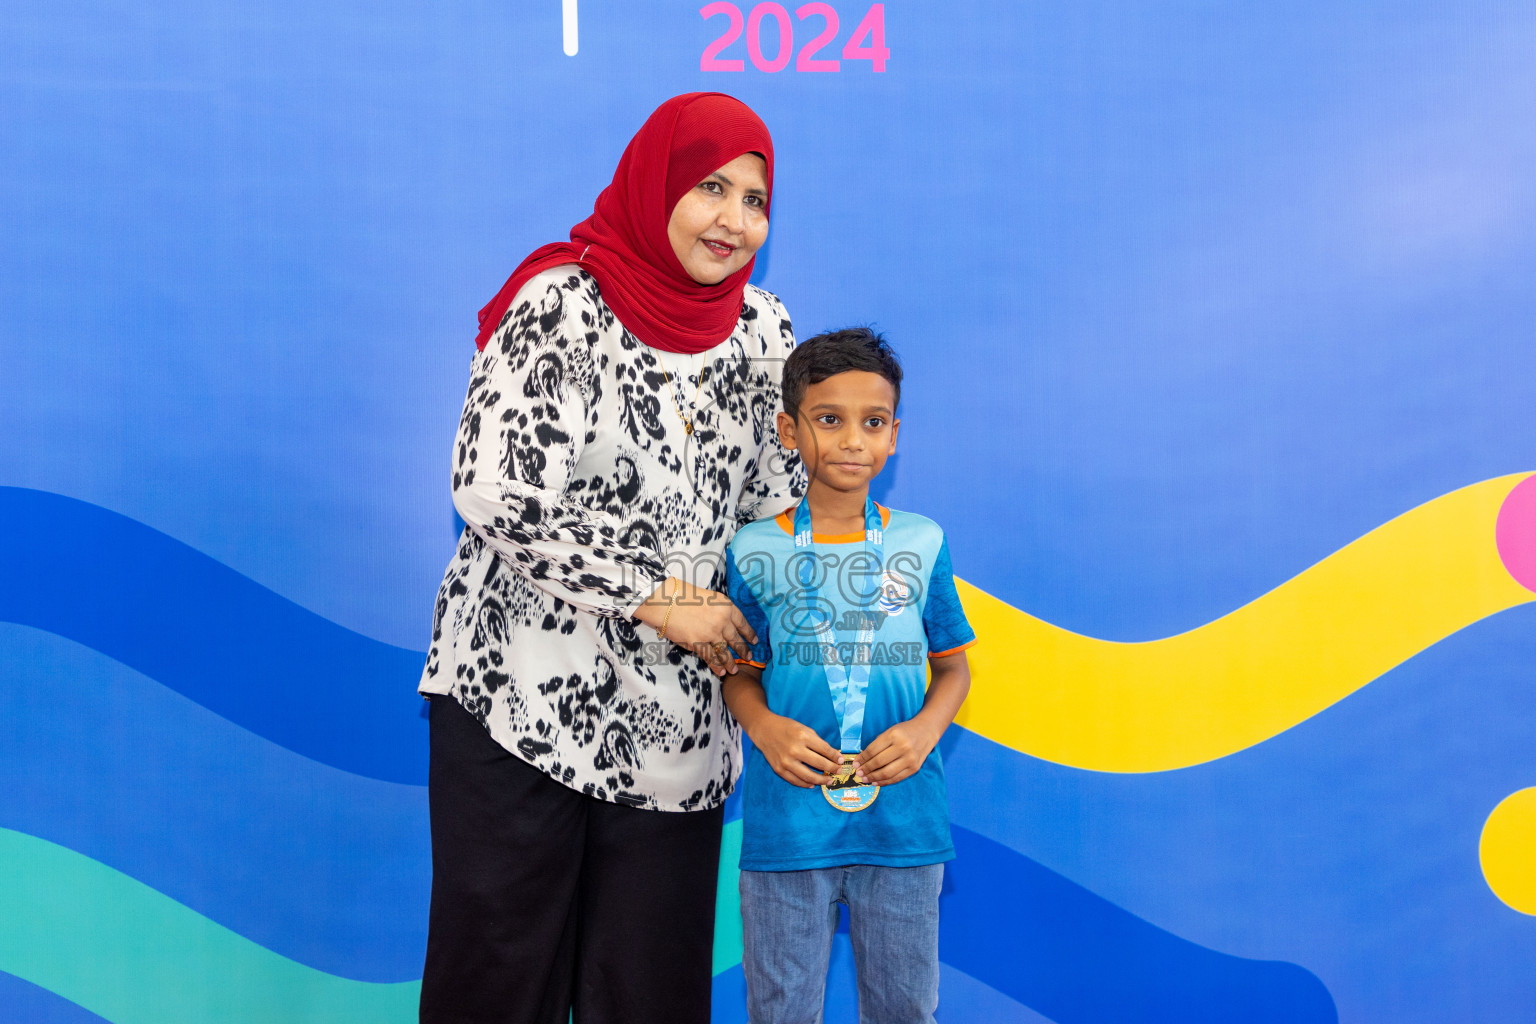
x=853, y=604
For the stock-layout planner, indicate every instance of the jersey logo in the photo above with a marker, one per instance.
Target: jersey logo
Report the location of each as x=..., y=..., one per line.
x=893, y=593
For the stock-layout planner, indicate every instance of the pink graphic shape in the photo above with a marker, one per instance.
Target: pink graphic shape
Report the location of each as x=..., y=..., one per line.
x=1515, y=533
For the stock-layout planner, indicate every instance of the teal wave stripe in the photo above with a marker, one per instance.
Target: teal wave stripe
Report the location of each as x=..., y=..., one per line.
x=728, y=900
x=130, y=954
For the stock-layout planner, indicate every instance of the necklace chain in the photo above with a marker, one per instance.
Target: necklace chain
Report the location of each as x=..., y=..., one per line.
x=687, y=421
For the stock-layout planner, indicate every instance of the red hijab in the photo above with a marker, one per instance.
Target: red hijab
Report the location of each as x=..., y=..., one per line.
x=624, y=243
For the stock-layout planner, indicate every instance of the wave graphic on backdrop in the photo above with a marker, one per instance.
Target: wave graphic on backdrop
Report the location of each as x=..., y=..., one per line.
x=1052, y=945
x=259, y=832
x=1078, y=958
x=124, y=951
x=220, y=638
x=1083, y=959
x=24, y=1001
x=322, y=866
x=1269, y=665
x=253, y=657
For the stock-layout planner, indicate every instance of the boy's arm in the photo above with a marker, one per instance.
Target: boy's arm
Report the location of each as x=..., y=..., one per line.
x=793, y=751
x=901, y=750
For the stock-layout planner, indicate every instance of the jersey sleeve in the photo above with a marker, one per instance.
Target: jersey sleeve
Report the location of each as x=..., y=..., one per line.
x=740, y=592
x=943, y=619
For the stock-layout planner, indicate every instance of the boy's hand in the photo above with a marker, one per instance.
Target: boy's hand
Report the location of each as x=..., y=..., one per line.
x=897, y=753
x=794, y=751
x=901, y=750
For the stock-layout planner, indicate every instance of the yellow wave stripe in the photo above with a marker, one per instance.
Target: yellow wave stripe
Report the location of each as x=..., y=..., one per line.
x=1253, y=673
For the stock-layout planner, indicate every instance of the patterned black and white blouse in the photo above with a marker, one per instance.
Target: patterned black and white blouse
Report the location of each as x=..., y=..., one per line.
x=582, y=492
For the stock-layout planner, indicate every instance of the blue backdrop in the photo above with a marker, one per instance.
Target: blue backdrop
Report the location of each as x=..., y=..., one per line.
x=1189, y=297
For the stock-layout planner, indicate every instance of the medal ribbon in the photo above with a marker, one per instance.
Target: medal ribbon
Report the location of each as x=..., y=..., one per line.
x=848, y=685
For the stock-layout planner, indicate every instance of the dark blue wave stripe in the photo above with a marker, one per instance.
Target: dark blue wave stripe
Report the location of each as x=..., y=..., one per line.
x=22, y=1002
x=220, y=638
x=1036, y=939
x=1077, y=958
x=320, y=865
x=964, y=1000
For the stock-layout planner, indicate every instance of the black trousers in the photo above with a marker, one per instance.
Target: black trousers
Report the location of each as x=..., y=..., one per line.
x=547, y=902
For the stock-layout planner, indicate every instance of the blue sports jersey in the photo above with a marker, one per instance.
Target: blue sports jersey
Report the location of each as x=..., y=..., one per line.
x=917, y=615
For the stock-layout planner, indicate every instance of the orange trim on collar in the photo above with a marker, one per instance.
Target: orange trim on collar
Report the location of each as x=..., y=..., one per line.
x=786, y=520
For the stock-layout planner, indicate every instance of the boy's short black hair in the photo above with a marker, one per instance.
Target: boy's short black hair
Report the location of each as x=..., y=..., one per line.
x=853, y=348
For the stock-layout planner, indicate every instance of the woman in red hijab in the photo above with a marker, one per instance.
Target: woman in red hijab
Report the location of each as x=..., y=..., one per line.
x=617, y=429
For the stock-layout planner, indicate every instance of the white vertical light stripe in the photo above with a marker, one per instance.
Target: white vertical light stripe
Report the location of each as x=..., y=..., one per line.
x=568, y=23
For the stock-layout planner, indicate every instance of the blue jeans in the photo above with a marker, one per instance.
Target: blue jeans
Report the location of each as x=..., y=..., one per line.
x=789, y=918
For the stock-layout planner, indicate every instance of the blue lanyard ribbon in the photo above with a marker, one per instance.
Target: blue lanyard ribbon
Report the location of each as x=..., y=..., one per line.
x=847, y=684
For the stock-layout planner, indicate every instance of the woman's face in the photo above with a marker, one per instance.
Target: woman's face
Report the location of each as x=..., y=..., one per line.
x=721, y=222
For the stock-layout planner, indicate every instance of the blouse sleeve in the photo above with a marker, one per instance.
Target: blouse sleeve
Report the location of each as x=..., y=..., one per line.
x=776, y=479
x=524, y=424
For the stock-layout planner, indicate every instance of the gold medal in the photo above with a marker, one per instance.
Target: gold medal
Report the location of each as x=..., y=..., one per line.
x=845, y=792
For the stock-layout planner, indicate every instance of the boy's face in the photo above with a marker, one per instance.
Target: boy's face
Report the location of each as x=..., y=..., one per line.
x=846, y=430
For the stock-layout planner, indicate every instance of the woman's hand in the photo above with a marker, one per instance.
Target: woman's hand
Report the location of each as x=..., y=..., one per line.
x=705, y=621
